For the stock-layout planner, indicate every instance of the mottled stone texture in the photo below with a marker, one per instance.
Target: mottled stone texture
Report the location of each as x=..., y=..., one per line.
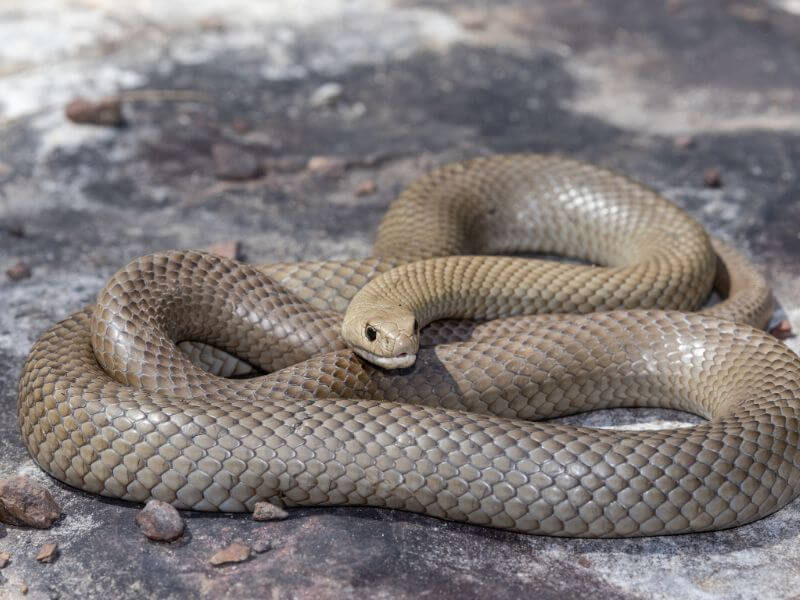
x=419, y=83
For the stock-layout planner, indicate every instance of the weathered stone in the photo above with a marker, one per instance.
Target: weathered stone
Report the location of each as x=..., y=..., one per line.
x=783, y=330
x=234, y=553
x=473, y=19
x=712, y=178
x=160, y=521
x=265, y=511
x=19, y=271
x=48, y=553
x=329, y=166
x=107, y=112
x=229, y=249
x=365, y=188
x=26, y=502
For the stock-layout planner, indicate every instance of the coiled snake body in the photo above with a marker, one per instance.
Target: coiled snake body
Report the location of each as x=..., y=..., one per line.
x=109, y=404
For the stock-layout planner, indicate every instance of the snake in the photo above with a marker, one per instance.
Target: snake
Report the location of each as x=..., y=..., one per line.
x=429, y=376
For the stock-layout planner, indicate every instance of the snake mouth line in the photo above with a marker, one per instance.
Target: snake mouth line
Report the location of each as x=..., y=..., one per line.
x=387, y=362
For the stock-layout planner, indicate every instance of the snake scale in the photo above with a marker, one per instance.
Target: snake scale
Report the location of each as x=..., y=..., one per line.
x=453, y=426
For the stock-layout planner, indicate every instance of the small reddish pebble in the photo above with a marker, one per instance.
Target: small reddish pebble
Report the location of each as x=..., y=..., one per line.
x=712, y=178
x=106, y=112
x=225, y=249
x=234, y=553
x=326, y=165
x=47, y=553
x=365, y=188
x=240, y=126
x=475, y=19
x=782, y=330
x=19, y=271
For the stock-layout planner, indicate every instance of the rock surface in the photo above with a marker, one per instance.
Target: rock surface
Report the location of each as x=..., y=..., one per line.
x=26, y=503
x=661, y=91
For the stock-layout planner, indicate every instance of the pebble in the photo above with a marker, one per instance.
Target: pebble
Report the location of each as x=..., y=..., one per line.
x=5, y=558
x=261, y=546
x=365, y=188
x=782, y=330
x=14, y=229
x=212, y=23
x=229, y=249
x=326, y=94
x=326, y=165
x=683, y=142
x=48, y=553
x=25, y=502
x=473, y=19
x=160, y=521
x=240, y=126
x=233, y=162
x=264, y=511
x=712, y=178
x=286, y=164
x=234, y=553
x=19, y=271
x=107, y=112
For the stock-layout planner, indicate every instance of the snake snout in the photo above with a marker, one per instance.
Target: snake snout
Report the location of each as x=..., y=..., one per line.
x=405, y=345
x=387, y=339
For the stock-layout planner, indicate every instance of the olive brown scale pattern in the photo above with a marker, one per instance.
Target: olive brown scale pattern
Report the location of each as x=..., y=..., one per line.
x=109, y=404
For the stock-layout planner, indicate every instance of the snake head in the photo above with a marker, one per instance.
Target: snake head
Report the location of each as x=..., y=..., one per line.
x=388, y=338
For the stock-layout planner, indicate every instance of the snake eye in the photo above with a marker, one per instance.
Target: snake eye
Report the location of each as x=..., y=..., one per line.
x=372, y=334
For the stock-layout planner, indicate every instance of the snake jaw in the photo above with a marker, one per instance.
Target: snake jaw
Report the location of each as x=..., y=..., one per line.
x=387, y=362
x=385, y=338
